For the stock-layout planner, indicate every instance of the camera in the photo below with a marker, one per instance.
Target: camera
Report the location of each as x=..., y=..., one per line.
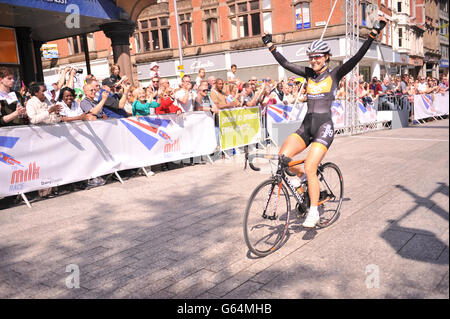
x=80, y=71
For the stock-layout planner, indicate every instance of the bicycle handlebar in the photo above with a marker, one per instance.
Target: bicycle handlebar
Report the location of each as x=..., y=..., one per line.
x=266, y=156
x=284, y=159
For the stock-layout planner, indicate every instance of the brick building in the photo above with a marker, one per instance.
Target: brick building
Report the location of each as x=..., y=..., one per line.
x=218, y=33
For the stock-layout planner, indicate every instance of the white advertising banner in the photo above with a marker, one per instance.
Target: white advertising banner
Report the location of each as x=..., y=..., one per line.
x=427, y=105
x=36, y=157
x=281, y=113
x=338, y=113
x=366, y=113
x=286, y=113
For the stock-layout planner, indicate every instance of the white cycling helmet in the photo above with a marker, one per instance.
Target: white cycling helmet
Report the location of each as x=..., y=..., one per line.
x=318, y=46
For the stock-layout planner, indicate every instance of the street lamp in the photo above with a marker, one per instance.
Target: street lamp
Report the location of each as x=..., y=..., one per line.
x=180, y=50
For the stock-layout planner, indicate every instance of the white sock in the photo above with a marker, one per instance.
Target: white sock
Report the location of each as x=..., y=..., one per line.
x=313, y=210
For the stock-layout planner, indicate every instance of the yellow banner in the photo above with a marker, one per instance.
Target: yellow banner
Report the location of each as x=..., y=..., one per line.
x=239, y=127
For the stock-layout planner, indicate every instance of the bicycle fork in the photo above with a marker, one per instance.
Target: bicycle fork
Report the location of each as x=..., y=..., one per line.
x=274, y=216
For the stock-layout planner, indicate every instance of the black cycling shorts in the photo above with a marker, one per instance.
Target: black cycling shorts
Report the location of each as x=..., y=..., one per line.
x=317, y=127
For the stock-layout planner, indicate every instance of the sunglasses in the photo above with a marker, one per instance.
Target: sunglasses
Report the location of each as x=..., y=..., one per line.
x=317, y=56
x=205, y=91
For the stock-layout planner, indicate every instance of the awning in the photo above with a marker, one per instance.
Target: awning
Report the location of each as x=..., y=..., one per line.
x=47, y=18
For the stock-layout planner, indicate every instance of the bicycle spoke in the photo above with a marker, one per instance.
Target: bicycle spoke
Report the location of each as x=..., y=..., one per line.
x=263, y=234
x=331, y=190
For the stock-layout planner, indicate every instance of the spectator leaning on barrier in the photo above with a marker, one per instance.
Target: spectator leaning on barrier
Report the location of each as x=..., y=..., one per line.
x=375, y=85
x=141, y=106
x=387, y=89
x=219, y=97
x=288, y=97
x=443, y=84
x=90, y=105
x=341, y=92
x=11, y=110
x=70, y=109
x=422, y=86
x=204, y=103
x=115, y=103
x=248, y=96
x=185, y=97
x=38, y=111
x=233, y=95
x=167, y=102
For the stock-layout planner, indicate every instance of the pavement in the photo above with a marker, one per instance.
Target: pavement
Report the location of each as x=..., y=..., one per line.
x=178, y=234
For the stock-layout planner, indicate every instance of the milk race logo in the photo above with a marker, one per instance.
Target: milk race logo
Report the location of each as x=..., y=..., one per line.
x=337, y=113
x=151, y=132
x=279, y=113
x=428, y=102
x=20, y=174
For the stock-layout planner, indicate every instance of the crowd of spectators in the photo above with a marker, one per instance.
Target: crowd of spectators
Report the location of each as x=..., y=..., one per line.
x=116, y=97
x=395, y=89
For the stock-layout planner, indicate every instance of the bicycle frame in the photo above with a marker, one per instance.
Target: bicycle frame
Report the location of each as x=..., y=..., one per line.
x=280, y=177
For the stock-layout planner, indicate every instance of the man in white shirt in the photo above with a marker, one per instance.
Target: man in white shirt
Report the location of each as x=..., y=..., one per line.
x=185, y=96
x=37, y=110
x=422, y=86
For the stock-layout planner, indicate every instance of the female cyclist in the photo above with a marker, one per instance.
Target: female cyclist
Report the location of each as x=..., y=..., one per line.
x=317, y=127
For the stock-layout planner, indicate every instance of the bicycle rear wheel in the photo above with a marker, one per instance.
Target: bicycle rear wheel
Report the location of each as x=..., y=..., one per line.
x=266, y=218
x=331, y=193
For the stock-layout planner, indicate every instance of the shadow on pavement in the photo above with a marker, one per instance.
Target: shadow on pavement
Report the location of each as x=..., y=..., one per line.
x=421, y=244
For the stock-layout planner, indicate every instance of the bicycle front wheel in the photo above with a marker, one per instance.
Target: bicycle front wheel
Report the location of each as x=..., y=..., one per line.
x=266, y=218
x=331, y=192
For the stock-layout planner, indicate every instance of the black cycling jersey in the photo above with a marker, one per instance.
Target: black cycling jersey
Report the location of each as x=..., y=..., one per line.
x=321, y=91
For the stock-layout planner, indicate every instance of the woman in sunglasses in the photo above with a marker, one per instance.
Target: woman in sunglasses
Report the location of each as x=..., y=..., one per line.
x=317, y=128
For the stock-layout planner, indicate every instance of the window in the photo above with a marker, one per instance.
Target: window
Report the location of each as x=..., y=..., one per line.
x=443, y=27
x=302, y=16
x=75, y=45
x=400, y=37
x=153, y=34
x=186, y=28
x=443, y=5
x=444, y=51
x=246, y=18
x=211, y=18
x=399, y=6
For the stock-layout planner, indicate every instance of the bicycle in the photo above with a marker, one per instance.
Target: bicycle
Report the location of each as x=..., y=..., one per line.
x=264, y=228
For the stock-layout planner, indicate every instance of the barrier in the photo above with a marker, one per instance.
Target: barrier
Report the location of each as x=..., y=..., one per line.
x=430, y=105
x=239, y=127
x=38, y=157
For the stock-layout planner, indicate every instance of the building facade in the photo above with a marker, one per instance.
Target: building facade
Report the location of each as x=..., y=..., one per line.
x=432, y=55
x=443, y=36
x=218, y=33
x=214, y=34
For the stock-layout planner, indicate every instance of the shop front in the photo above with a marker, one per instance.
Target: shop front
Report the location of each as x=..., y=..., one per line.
x=443, y=67
x=26, y=25
x=415, y=66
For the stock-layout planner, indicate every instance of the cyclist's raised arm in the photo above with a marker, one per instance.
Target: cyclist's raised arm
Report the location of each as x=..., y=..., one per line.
x=350, y=64
x=299, y=70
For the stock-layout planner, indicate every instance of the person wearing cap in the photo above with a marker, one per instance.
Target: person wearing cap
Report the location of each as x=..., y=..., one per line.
x=115, y=103
x=317, y=128
x=154, y=70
